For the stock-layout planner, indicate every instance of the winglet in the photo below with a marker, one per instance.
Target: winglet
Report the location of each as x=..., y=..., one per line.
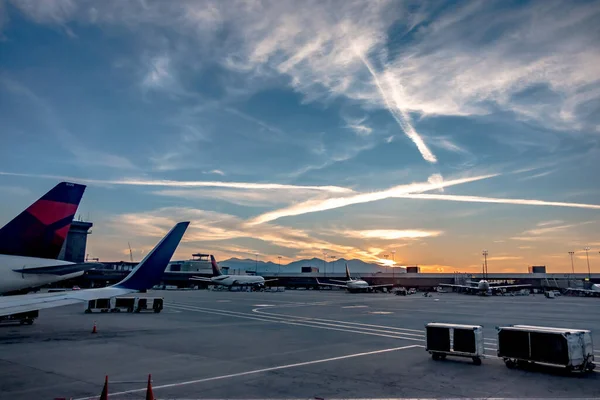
x=215, y=268
x=42, y=228
x=150, y=270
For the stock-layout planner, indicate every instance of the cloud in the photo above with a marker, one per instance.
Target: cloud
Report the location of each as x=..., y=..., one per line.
x=210, y=226
x=311, y=206
x=551, y=222
x=188, y=184
x=504, y=258
x=244, y=197
x=158, y=74
x=390, y=234
x=217, y=172
x=479, y=199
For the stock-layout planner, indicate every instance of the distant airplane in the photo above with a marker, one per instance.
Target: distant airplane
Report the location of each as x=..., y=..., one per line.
x=354, y=285
x=483, y=287
x=31, y=242
x=594, y=290
x=144, y=276
x=218, y=278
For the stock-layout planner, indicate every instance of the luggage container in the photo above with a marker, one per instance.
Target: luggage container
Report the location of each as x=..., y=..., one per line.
x=454, y=340
x=520, y=345
x=128, y=304
x=149, y=303
x=102, y=305
x=22, y=318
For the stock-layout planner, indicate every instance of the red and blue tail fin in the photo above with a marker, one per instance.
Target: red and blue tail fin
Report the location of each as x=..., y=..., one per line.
x=42, y=228
x=215, y=267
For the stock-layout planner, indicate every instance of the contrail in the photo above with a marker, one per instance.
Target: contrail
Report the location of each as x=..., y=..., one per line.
x=478, y=199
x=401, y=117
x=337, y=202
x=169, y=183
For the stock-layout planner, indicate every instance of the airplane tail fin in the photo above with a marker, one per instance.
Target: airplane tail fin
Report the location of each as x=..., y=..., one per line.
x=150, y=270
x=42, y=228
x=348, y=277
x=215, y=268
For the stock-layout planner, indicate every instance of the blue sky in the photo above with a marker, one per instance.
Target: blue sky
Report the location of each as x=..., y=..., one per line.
x=296, y=128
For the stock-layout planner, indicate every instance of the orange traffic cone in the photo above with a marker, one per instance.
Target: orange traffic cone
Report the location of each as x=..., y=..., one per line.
x=149, y=394
x=104, y=394
x=94, y=330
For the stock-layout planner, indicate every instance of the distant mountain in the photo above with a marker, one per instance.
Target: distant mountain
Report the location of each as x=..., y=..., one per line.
x=336, y=266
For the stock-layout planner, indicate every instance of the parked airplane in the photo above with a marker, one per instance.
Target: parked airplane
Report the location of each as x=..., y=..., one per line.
x=594, y=290
x=354, y=285
x=483, y=287
x=231, y=280
x=31, y=242
x=144, y=276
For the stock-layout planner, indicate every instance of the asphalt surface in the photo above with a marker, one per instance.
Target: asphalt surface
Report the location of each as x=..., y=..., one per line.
x=296, y=344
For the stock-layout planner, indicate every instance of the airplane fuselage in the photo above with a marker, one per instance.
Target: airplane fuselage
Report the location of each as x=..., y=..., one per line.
x=238, y=280
x=483, y=286
x=12, y=281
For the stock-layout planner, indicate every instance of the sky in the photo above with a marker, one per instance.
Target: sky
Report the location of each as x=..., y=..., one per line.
x=406, y=132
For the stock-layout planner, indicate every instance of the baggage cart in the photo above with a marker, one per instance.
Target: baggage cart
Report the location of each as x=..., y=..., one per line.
x=454, y=340
x=572, y=349
x=24, y=318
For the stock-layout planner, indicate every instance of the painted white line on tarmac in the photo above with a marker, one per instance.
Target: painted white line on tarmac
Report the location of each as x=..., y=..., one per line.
x=258, y=371
x=332, y=327
x=257, y=311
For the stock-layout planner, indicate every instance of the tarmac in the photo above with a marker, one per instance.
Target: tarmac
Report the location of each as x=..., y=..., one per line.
x=294, y=344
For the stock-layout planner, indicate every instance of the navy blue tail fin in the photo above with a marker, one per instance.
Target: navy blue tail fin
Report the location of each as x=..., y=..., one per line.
x=348, y=277
x=42, y=228
x=215, y=268
x=150, y=270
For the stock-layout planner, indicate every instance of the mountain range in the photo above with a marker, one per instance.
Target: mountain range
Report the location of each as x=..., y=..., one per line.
x=336, y=266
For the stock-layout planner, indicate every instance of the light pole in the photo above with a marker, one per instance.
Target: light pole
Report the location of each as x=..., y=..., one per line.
x=485, y=267
x=588, y=262
x=279, y=270
x=572, y=264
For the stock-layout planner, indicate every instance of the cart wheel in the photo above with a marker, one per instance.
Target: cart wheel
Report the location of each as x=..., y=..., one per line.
x=442, y=356
x=476, y=360
x=591, y=366
x=29, y=322
x=157, y=310
x=435, y=356
x=88, y=311
x=510, y=363
x=130, y=309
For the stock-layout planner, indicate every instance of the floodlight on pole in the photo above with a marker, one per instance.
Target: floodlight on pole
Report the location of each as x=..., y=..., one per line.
x=485, y=266
x=572, y=264
x=587, y=256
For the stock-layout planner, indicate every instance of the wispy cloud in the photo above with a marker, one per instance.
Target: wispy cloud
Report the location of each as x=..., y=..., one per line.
x=551, y=222
x=479, y=199
x=504, y=258
x=332, y=203
x=217, y=172
x=390, y=234
x=188, y=184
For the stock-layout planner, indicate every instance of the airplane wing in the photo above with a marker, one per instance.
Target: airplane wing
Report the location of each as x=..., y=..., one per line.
x=457, y=286
x=270, y=280
x=331, y=284
x=509, y=286
x=200, y=278
x=145, y=275
x=377, y=286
